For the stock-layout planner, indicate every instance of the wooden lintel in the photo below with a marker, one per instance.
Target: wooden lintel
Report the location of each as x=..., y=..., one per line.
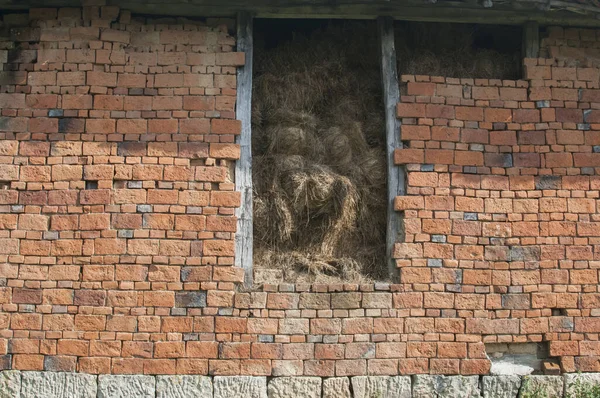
x=243, y=167
x=391, y=97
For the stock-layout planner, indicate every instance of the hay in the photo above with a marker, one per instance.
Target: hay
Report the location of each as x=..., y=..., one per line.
x=309, y=267
x=319, y=164
x=458, y=50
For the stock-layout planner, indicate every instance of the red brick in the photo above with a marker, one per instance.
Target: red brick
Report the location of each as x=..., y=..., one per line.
x=77, y=101
x=108, y=102
x=225, y=151
x=559, y=159
x=224, y=126
x=526, y=116
x=526, y=160
x=569, y=115
x=586, y=159
x=420, y=133
x=410, y=110
x=231, y=59
x=468, y=158
x=443, y=133
x=498, y=115
x=95, y=78
x=425, y=89
x=485, y=93
x=469, y=113
x=439, y=111
x=197, y=103
x=439, y=156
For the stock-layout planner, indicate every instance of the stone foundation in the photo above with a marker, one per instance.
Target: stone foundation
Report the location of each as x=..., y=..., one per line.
x=17, y=384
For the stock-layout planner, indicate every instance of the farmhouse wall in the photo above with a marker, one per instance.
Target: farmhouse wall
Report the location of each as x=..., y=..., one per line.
x=117, y=216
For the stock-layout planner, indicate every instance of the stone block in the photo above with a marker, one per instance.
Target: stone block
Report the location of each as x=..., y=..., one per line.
x=10, y=384
x=121, y=386
x=582, y=385
x=426, y=386
x=336, y=387
x=58, y=385
x=291, y=387
x=381, y=387
x=187, y=386
x=240, y=386
x=500, y=386
x=542, y=386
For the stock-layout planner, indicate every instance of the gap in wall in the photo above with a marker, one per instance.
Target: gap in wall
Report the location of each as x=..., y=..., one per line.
x=319, y=163
x=459, y=50
x=517, y=358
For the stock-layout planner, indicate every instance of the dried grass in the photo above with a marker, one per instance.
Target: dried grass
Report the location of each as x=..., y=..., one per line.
x=319, y=163
x=451, y=50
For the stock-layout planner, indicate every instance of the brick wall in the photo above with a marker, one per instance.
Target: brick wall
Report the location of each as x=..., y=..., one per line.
x=501, y=221
x=117, y=203
x=116, y=200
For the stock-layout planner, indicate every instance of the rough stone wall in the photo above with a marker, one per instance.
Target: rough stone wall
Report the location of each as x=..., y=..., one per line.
x=501, y=216
x=117, y=216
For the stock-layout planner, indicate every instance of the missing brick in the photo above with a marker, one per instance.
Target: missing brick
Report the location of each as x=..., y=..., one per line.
x=91, y=185
x=517, y=358
x=559, y=312
x=4, y=185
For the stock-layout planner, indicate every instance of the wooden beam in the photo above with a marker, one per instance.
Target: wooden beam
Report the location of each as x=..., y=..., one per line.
x=400, y=10
x=531, y=40
x=515, y=13
x=243, y=167
x=391, y=97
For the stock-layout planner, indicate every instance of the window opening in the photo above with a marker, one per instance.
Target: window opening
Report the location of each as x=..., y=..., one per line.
x=318, y=149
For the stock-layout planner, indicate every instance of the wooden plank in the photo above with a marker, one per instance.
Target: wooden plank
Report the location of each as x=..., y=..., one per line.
x=391, y=96
x=531, y=40
x=243, y=167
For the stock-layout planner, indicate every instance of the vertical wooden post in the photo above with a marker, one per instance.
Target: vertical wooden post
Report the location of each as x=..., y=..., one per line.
x=531, y=40
x=391, y=96
x=243, y=168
